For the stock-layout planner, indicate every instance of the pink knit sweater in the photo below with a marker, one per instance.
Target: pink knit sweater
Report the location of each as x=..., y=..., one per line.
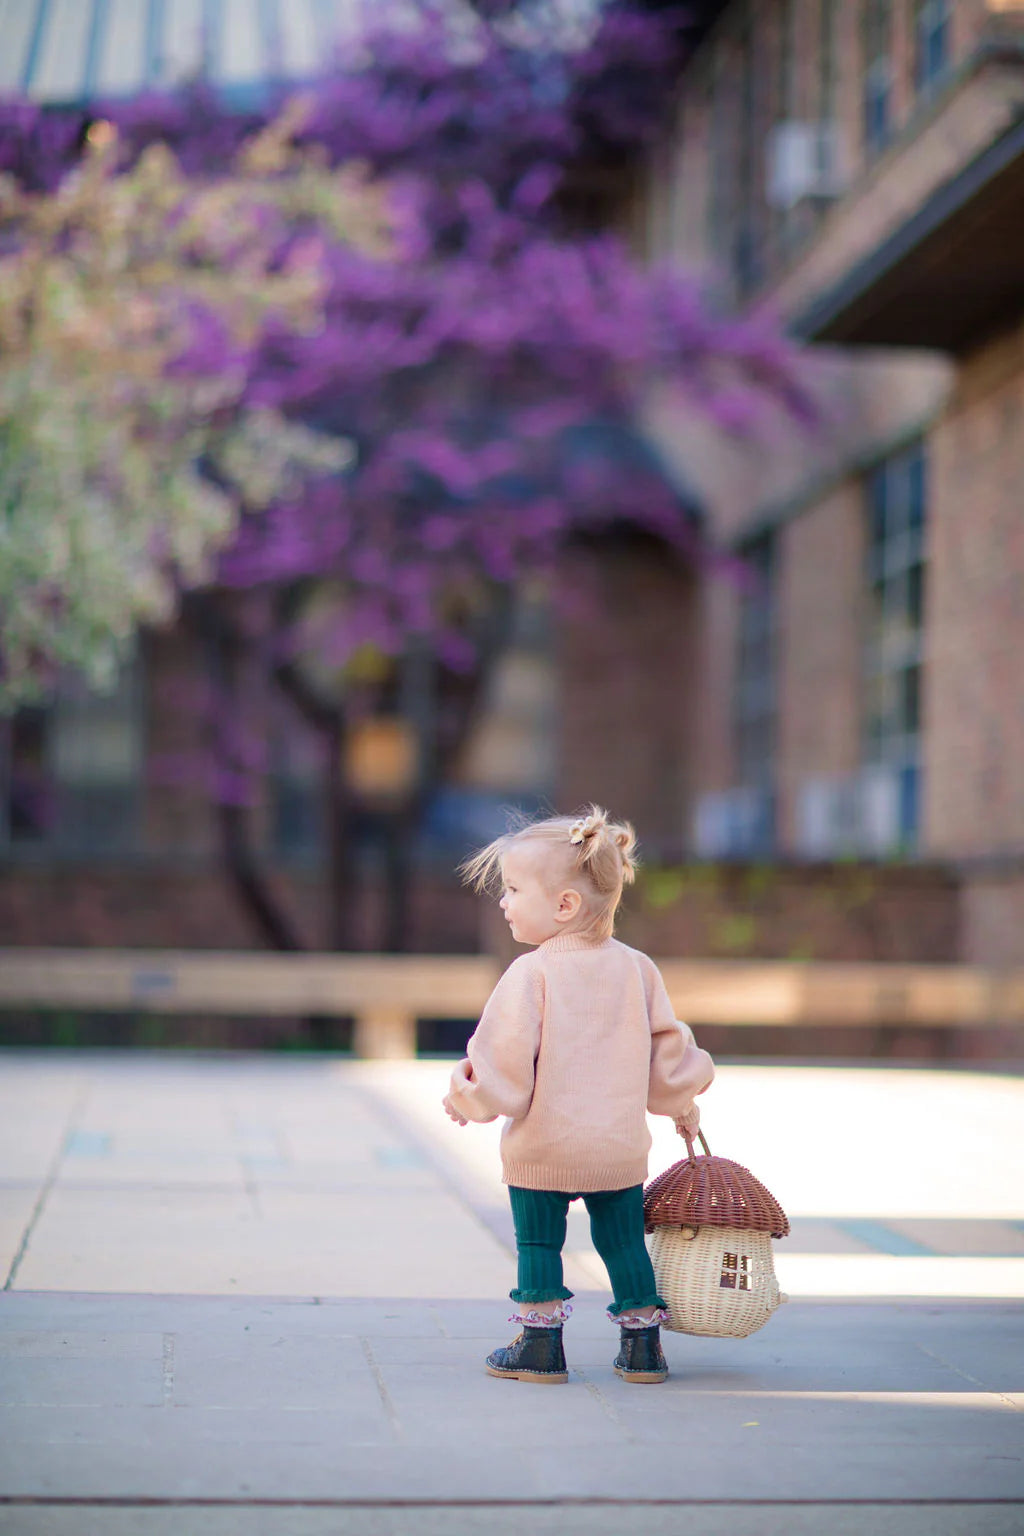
x=577, y=1041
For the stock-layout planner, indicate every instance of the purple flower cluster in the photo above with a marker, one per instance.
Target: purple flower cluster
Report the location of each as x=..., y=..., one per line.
x=488, y=368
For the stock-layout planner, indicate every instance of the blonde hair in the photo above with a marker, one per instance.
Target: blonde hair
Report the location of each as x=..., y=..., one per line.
x=600, y=853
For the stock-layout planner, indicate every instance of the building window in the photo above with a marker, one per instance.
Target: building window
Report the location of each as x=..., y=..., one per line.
x=786, y=107
x=755, y=673
x=754, y=716
x=895, y=627
x=27, y=793
x=748, y=251
x=71, y=772
x=931, y=42
x=720, y=157
x=736, y=158
x=877, y=27
x=787, y=60
x=296, y=809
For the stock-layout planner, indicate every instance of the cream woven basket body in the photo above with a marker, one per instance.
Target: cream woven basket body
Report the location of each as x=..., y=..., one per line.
x=689, y=1272
x=711, y=1225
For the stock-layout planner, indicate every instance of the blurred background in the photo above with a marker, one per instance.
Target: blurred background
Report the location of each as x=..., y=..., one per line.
x=560, y=402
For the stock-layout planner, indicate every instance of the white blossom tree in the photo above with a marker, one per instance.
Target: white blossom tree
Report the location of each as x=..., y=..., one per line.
x=131, y=302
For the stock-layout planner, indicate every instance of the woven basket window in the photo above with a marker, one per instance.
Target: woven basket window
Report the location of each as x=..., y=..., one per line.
x=735, y=1274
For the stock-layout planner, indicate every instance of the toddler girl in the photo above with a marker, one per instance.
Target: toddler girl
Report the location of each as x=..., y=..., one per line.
x=577, y=1041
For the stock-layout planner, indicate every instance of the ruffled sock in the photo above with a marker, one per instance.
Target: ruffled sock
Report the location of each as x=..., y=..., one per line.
x=633, y=1320
x=534, y=1319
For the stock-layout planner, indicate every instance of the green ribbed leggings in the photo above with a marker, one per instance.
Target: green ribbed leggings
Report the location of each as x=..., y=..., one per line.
x=617, y=1227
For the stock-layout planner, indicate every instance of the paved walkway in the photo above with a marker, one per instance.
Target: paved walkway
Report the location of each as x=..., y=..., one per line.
x=190, y=1340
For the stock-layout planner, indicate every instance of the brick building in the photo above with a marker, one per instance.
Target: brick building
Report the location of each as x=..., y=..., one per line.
x=860, y=167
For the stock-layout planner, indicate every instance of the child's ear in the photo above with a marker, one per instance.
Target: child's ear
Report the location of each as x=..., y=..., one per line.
x=569, y=904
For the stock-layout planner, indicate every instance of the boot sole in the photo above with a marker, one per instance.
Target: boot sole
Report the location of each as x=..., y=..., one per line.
x=553, y=1377
x=641, y=1377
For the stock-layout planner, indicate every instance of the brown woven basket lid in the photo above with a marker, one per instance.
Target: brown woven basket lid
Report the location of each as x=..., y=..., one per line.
x=711, y=1192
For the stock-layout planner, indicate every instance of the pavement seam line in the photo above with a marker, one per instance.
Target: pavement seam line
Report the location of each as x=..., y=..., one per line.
x=966, y=1376
x=249, y=1179
x=382, y=1386
x=50, y=1178
x=607, y=1407
x=167, y=1369
x=438, y=1319
x=569, y=1501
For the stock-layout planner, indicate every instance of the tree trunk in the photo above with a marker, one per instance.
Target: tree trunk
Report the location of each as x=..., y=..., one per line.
x=457, y=701
x=207, y=616
x=249, y=883
x=459, y=698
x=341, y=865
x=398, y=878
x=326, y=717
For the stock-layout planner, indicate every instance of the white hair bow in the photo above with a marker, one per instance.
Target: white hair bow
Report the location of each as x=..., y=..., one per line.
x=585, y=827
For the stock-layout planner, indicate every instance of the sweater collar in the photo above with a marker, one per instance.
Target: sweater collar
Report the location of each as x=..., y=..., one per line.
x=564, y=943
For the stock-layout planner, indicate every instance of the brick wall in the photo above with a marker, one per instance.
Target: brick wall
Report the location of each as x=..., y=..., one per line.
x=993, y=917
x=627, y=670
x=712, y=742
x=789, y=912
x=176, y=803
x=165, y=908
x=974, y=679
x=818, y=912
x=821, y=646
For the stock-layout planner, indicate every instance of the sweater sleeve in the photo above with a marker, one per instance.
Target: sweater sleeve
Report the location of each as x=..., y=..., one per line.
x=497, y=1076
x=680, y=1070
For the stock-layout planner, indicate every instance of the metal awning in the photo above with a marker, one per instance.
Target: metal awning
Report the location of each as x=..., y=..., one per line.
x=73, y=51
x=76, y=50
x=948, y=277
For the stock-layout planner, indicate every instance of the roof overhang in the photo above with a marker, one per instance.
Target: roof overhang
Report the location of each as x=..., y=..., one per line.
x=947, y=277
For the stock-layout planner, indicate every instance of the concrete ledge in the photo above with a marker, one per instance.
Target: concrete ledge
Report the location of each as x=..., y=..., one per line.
x=388, y=993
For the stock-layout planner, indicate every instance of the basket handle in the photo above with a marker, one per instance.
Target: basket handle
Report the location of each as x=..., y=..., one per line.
x=689, y=1145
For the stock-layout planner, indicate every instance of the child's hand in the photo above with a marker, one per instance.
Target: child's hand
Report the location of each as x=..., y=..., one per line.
x=451, y=1111
x=689, y=1124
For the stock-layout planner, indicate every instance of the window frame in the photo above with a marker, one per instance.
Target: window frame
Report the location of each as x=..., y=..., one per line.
x=748, y=236
x=721, y=150
x=69, y=836
x=877, y=75
x=932, y=19
x=895, y=587
x=755, y=695
x=786, y=105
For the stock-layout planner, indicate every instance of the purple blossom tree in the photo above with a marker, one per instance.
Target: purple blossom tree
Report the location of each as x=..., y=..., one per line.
x=485, y=372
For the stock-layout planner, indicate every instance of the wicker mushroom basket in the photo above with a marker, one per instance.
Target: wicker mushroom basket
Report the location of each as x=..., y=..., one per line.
x=711, y=1225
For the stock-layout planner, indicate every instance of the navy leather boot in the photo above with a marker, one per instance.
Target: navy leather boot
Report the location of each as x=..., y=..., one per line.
x=536, y=1355
x=640, y=1357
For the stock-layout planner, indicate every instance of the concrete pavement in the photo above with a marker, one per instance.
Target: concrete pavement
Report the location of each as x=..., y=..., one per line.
x=252, y=1294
